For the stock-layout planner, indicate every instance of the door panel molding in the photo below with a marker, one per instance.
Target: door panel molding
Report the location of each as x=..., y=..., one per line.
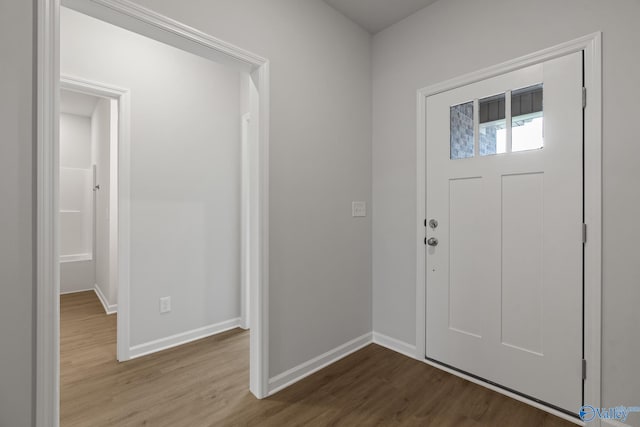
x=591, y=46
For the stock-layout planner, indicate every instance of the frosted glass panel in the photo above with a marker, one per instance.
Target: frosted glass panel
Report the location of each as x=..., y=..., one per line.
x=493, y=126
x=461, y=130
x=527, y=119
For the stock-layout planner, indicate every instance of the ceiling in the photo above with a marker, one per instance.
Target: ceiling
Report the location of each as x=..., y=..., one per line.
x=77, y=103
x=376, y=15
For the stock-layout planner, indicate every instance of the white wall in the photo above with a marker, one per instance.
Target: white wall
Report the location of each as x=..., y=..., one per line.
x=453, y=37
x=320, y=161
x=185, y=173
x=17, y=210
x=101, y=147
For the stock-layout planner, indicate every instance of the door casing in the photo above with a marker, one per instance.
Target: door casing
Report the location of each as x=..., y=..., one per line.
x=123, y=120
x=591, y=46
x=143, y=21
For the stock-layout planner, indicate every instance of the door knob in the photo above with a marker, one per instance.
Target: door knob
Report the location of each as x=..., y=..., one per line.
x=432, y=241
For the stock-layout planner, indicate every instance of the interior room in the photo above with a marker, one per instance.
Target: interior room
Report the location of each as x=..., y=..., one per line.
x=425, y=210
x=88, y=130
x=184, y=116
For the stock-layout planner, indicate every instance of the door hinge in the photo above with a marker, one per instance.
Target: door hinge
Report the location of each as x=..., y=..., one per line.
x=425, y=241
x=584, y=97
x=584, y=233
x=425, y=222
x=584, y=369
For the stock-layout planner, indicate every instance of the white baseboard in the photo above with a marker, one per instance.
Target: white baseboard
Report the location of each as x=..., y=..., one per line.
x=395, y=345
x=293, y=375
x=108, y=308
x=76, y=291
x=182, y=338
x=76, y=258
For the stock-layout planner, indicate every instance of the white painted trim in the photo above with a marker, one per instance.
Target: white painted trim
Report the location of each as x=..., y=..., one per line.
x=592, y=47
x=122, y=96
x=259, y=371
x=593, y=219
x=76, y=258
x=395, y=345
x=182, y=338
x=108, y=308
x=297, y=373
x=245, y=215
x=146, y=22
x=77, y=292
x=90, y=87
x=47, y=343
x=507, y=393
x=421, y=235
x=139, y=19
x=563, y=49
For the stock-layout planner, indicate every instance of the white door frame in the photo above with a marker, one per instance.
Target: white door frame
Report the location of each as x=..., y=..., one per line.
x=118, y=149
x=591, y=45
x=245, y=215
x=143, y=21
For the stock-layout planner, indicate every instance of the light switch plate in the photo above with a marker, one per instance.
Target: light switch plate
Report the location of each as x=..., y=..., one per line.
x=359, y=209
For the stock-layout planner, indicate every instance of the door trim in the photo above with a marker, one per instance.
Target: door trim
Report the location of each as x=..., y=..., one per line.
x=591, y=45
x=245, y=215
x=123, y=206
x=131, y=16
x=120, y=209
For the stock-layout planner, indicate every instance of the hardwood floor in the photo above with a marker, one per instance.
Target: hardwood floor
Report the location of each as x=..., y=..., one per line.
x=205, y=383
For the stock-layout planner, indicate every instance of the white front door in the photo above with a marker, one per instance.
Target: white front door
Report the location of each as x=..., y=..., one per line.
x=504, y=184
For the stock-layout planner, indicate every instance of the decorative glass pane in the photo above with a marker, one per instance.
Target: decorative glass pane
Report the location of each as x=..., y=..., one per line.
x=527, y=119
x=493, y=126
x=461, y=130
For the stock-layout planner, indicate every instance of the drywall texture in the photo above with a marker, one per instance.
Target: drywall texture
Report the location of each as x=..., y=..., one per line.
x=423, y=50
x=17, y=192
x=320, y=161
x=185, y=173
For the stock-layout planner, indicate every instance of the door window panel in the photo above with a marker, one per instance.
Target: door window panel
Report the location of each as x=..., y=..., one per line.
x=493, y=126
x=461, y=131
x=527, y=131
x=494, y=131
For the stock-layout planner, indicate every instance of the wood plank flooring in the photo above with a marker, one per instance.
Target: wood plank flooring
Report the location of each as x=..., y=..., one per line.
x=205, y=383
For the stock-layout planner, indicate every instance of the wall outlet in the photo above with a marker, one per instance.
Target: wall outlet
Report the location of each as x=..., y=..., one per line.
x=358, y=209
x=165, y=305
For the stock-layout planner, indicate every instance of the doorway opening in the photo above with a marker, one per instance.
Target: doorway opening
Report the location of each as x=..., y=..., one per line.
x=89, y=190
x=251, y=300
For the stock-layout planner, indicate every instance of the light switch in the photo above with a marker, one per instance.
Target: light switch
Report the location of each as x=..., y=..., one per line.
x=358, y=209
